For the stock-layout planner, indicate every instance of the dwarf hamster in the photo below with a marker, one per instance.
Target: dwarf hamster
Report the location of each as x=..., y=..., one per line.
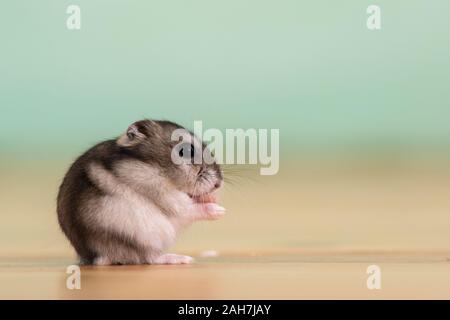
x=124, y=201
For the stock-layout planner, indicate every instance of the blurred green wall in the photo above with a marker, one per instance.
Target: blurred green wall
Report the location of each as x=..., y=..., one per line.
x=310, y=68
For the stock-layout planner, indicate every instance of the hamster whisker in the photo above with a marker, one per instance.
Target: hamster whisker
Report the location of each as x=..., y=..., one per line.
x=230, y=180
x=238, y=171
x=239, y=179
x=195, y=187
x=236, y=167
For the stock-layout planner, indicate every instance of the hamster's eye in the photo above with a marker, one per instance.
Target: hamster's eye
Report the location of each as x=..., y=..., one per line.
x=186, y=151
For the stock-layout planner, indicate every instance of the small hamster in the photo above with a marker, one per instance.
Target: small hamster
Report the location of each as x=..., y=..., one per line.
x=124, y=201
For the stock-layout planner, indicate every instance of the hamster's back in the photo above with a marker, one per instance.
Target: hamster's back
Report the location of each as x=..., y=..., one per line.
x=74, y=189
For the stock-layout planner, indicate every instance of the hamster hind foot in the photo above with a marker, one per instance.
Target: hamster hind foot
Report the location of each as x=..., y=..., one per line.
x=171, y=258
x=102, y=261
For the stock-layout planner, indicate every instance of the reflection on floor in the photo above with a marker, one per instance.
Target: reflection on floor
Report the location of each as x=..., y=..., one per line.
x=287, y=274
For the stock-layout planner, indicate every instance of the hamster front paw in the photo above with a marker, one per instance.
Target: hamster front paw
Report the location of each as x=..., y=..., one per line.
x=213, y=211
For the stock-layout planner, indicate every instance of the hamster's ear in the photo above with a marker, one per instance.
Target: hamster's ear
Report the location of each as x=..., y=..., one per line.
x=131, y=138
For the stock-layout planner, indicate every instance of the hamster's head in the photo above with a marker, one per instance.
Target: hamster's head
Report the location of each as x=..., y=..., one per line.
x=177, y=154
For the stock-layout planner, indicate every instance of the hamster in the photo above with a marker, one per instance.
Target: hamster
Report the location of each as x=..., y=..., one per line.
x=124, y=201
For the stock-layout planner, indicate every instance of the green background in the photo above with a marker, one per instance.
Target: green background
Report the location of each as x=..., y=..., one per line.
x=310, y=68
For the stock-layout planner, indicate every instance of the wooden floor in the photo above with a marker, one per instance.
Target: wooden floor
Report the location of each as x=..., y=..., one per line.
x=302, y=234
x=283, y=275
